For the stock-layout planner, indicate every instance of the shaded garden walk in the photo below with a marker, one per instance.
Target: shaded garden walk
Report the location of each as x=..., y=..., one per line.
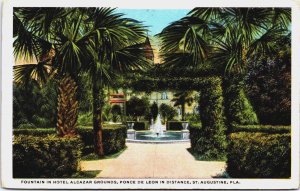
x=155, y=161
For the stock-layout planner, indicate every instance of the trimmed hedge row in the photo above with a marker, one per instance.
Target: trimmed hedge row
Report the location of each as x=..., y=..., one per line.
x=35, y=131
x=175, y=125
x=140, y=125
x=46, y=157
x=114, y=137
x=259, y=155
x=261, y=128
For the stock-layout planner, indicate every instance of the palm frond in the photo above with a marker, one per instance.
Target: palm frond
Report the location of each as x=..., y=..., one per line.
x=266, y=43
x=39, y=72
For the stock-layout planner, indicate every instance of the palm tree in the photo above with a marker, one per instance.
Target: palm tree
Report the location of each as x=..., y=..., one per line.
x=116, y=51
x=181, y=98
x=104, y=41
x=224, y=37
x=50, y=37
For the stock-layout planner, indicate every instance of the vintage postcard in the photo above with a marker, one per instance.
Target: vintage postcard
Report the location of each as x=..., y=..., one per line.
x=150, y=95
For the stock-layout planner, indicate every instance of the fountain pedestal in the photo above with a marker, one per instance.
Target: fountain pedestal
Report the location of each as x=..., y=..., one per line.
x=131, y=134
x=185, y=134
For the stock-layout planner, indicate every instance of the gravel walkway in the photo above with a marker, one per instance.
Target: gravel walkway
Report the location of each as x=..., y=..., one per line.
x=155, y=161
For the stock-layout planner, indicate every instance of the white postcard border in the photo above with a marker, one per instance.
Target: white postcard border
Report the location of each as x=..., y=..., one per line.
x=6, y=93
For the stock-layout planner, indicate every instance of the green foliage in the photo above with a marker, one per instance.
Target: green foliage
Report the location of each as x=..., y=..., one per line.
x=238, y=109
x=46, y=157
x=137, y=107
x=193, y=117
x=106, y=113
x=167, y=112
x=35, y=131
x=141, y=125
x=268, y=85
x=86, y=174
x=113, y=136
x=181, y=98
x=261, y=128
x=154, y=110
x=259, y=155
x=209, y=140
x=93, y=156
x=85, y=119
x=223, y=38
x=106, y=42
x=34, y=106
x=174, y=125
x=116, y=111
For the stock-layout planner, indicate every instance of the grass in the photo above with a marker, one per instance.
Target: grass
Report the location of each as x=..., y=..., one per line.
x=86, y=174
x=201, y=158
x=222, y=175
x=93, y=156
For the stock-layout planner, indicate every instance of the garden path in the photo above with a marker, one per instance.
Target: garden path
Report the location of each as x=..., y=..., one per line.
x=155, y=161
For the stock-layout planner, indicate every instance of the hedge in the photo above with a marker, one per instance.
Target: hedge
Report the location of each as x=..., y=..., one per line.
x=175, y=125
x=238, y=109
x=140, y=125
x=114, y=137
x=259, y=155
x=45, y=157
x=209, y=140
x=261, y=128
x=35, y=131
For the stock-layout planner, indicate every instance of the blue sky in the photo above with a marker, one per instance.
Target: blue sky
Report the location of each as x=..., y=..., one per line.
x=155, y=19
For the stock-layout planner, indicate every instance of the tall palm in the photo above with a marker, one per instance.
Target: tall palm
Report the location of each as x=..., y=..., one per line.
x=116, y=51
x=181, y=99
x=50, y=37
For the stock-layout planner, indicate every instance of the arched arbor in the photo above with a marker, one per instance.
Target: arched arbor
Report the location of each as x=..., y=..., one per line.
x=215, y=117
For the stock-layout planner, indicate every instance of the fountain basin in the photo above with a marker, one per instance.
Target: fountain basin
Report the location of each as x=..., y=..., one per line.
x=166, y=137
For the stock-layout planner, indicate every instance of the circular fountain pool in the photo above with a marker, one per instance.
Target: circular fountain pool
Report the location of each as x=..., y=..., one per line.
x=165, y=137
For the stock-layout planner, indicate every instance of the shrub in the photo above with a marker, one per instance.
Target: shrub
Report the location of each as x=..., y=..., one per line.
x=238, y=109
x=259, y=155
x=200, y=143
x=114, y=138
x=35, y=131
x=261, y=128
x=269, y=86
x=35, y=105
x=85, y=119
x=154, y=110
x=137, y=107
x=174, y=125
x=140, y=125
x=209, y=141
x=167, y=112
x=116, y=111
x=47, y=157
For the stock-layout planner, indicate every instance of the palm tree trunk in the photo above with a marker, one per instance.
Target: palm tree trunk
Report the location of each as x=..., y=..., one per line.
x=182, y=112
x=67, y=107
x=98, y=103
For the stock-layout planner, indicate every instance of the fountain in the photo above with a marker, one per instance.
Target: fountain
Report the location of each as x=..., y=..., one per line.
x=157, y=128
x=157, y=133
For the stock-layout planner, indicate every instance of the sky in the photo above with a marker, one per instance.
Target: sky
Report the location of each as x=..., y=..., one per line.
x=155, y=19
